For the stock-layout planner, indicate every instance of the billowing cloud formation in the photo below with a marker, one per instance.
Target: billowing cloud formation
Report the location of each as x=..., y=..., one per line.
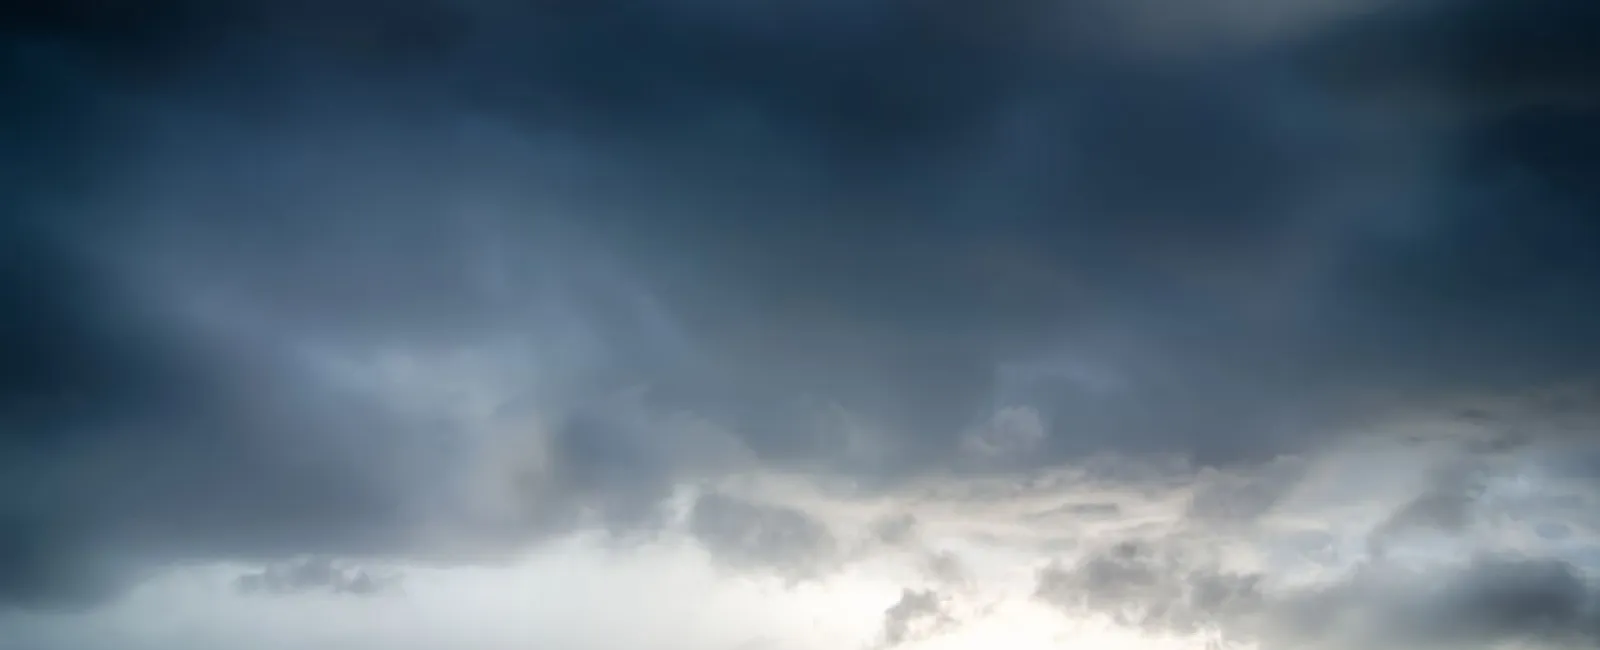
x=979, y=565
x=437, y=282
x=1487, y=600
x=761, y=535
x=914, y=609
x=1130, y=583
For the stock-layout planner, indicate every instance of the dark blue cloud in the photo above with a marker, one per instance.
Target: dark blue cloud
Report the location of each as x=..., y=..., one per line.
x=1205, y=237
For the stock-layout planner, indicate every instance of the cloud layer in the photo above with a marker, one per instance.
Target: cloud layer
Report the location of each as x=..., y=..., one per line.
x=1163, y=304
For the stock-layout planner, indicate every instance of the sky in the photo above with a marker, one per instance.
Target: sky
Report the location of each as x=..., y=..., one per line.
x=800, y=324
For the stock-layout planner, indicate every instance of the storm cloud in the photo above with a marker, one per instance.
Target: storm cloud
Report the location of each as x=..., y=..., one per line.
x=442, y=282
x=1488, y=599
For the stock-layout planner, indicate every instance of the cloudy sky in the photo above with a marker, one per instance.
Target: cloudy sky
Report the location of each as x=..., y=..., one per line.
x=800, y=324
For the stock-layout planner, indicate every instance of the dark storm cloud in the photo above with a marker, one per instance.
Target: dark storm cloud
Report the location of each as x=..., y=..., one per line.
x=1176, y=236
x=124, y=430
x=1492, y=599
x=1479, y=55
x=1489, y=599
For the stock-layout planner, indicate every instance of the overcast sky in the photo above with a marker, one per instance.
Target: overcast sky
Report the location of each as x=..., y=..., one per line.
x=800, y=324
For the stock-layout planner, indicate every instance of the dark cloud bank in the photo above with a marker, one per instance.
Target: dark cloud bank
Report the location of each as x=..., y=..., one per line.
x=1488, y=600
x=1217, y=236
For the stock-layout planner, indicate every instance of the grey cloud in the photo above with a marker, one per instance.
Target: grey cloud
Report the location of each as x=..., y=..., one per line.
x=310, y=575
x=1243, y=496
x=1093, y=510
x=620, y=457
x=761, y=535
x=1012, y=430
x=123, y=430
x=1553, y=530
x=1447, y=505
x=947, y=568
x=1498, y=597
x=1489, y=600
x=917, y=615
x=895, y=530
x=1214, y=250
x=1318, y=546
x=1493, y=55
x=1144, y=585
